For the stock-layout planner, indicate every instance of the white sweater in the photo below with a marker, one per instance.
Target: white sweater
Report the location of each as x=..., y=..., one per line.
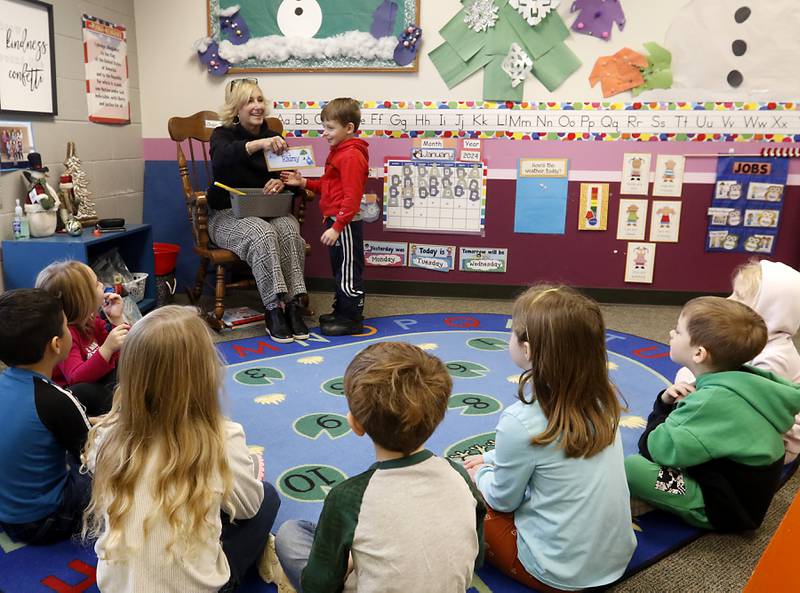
x=149, y=567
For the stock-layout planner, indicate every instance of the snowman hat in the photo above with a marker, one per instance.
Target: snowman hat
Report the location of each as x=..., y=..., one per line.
x=35, y=162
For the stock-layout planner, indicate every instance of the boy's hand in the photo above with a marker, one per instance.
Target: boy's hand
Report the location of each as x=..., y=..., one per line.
x=473, y=461
x=675, y=393
x=113, y=307
x=474, y=470
x=273, y=186
x=114, y=340
x=329, y=237
x=293, y=178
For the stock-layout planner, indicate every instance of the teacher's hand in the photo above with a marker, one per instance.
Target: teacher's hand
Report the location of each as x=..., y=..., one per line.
x=276, y=144
x=273, y=186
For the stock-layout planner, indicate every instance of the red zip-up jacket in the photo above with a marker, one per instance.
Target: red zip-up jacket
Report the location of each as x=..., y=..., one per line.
x=342, y=184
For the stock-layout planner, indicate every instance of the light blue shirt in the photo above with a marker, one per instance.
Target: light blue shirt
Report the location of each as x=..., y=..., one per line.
x=572, y=515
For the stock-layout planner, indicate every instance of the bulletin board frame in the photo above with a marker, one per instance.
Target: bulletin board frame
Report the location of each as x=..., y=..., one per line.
x=410, y=9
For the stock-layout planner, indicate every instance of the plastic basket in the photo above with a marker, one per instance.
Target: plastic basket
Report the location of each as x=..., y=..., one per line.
x=136, y=286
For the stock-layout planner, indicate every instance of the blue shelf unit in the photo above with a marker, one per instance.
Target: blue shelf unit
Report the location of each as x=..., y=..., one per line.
x=22, y=260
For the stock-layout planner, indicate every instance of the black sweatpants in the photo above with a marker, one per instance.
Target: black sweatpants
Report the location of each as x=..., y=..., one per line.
x=347, y=264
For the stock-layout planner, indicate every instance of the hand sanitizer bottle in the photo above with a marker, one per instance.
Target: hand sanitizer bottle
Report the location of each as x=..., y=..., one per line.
x=20, y=224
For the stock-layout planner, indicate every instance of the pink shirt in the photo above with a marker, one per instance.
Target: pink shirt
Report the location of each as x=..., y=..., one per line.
x=84, y=363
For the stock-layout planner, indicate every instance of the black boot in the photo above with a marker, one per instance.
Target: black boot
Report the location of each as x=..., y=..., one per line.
x=328, y=317
x=277, y=327
x=342, y=326
x=296, y=324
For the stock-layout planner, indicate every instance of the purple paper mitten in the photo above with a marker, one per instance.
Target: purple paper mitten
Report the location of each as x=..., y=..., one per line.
x=232, y=24
x=208, y=53
x=597, y=17
x=383, y=19
x=406, y=49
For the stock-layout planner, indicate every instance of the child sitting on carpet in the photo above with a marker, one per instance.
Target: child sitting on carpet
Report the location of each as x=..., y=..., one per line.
x=714, y=457
x=412, y=521
x=171, y=474
x=95, y=348
x=559, y=510
x=771, y=289
x=42, y=494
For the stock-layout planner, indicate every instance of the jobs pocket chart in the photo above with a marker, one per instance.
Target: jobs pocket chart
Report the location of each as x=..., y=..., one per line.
x=435, y=196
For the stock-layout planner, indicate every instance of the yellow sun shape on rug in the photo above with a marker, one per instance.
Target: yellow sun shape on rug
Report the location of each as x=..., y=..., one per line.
x=256, y=449
x=429, y=346
x=513, y=378
x=632, y=422
x=271, y=399
x=311, y=360
x=613, y=366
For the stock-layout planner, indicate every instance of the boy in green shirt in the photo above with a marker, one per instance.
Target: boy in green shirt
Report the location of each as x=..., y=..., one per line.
x=413, y=521
x=713, y=454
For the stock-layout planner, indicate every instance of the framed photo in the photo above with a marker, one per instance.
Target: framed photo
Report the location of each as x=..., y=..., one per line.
x=16, y=141
x=27, y=58
x=314, y=35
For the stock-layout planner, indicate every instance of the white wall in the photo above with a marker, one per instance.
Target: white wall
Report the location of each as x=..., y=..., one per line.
x=111, y=155
x=175, y=83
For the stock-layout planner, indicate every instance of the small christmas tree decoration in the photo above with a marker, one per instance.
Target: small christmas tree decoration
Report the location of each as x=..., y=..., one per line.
x=481, y=15
x=87, y=214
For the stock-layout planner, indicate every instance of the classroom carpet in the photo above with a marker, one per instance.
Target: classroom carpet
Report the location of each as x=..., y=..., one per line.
x=290, y=400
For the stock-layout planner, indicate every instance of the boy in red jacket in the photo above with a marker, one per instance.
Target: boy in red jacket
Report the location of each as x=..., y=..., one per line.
x=341, y=188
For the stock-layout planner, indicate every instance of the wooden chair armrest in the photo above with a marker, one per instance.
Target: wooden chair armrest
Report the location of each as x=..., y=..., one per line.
x=200, y=219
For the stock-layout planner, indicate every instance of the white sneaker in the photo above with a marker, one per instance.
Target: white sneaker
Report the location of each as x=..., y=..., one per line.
x=270, y=569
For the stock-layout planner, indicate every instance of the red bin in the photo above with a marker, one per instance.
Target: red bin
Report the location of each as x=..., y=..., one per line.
x=166, y=254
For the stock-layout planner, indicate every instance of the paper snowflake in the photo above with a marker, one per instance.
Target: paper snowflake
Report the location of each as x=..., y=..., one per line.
x=533, y=11
x=481, y=15
x=517, y=64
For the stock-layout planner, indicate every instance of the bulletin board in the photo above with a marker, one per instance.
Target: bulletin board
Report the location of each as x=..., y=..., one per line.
x=313, y=35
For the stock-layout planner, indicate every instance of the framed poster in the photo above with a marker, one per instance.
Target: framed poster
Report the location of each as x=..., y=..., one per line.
x=313, y=36
x=27, y=58
x=105, y=54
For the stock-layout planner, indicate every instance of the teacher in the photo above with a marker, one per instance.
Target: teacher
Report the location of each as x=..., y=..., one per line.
x=272, y=247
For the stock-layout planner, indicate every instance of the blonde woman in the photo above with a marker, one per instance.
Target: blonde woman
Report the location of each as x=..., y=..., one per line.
x=273, y=247
x=170, y=472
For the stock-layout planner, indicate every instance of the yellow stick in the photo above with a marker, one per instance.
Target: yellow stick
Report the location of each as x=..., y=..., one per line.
x=230, y=189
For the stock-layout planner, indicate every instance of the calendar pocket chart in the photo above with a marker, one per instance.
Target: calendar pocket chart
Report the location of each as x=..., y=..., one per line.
x=435, y=196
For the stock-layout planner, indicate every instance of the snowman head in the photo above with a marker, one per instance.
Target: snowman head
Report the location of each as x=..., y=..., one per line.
x=299, y=18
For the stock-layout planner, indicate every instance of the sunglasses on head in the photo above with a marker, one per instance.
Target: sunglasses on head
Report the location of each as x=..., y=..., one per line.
x=237, y=81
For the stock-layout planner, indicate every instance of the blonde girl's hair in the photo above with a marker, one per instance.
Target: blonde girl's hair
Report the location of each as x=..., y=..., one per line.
x=746, y=282
x=166, y=404
x=569, y=369
x=75, y=284
x=237, y=94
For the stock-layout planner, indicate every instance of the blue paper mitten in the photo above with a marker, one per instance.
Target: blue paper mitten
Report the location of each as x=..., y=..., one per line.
x=406, y=49
x=233, y=25
x=383, y=19
x=208, y=53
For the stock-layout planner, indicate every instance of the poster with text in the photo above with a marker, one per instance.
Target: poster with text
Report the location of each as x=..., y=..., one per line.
x=669, y=175
x=482, y=259
x=541, y=200
x=385, y=254
x=632, y=220
x=440, y=258
x=665, y=222
x=593, y=210
x=635, y=173
x=106, y=58
x=640, y=262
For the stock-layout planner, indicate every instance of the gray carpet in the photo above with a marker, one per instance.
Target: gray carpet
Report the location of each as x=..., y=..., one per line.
x=713, y=563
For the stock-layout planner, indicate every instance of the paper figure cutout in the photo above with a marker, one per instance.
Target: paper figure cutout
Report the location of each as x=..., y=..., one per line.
x=658, y=74
x=728, y=190
x=383, y=19
x=767, y=192
x=597, y=17
x=665, y=222
x=759, y=243
x=669, y=175
x=517, y=64
x=233, y=25
x=640, y=262
x=632, y=219
x=481, y=15
x=407, y=46
x=593, y=210
x=619, y=72
x=635, y=173
x=533, y=11
x=761, y=218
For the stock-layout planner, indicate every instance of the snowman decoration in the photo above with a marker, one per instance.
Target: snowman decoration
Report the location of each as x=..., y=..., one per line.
x=299, y=18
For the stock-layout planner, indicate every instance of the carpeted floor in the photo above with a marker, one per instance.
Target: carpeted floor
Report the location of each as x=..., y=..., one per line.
x=713, y=563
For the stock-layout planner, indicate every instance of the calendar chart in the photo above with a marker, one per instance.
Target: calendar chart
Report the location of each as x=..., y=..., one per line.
x=434, y=196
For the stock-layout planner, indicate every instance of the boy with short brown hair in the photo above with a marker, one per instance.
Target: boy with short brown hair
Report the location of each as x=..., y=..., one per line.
x=413, y=521
x=714, y=455
x=341, y=188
